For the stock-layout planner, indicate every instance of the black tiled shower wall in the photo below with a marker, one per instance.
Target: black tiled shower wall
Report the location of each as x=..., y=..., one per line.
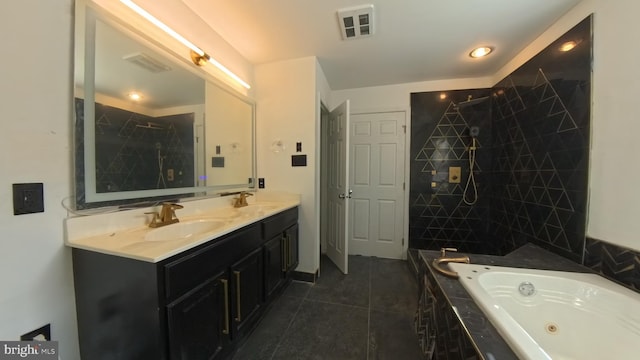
x=540, y=150
x=438, y=216
x=131, y=149
x=532, y=161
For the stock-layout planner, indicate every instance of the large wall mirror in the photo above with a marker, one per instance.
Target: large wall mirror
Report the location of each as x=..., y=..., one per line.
x=148, y=124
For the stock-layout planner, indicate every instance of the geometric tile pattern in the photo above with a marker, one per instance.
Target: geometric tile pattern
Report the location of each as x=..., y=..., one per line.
x=532, y=162
x=131, y=149
x=440, y=333
x=438, y=215
x=616, y=263
x=540, y=150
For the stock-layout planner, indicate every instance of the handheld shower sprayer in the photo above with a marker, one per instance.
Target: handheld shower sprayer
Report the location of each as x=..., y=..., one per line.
x=474, y=131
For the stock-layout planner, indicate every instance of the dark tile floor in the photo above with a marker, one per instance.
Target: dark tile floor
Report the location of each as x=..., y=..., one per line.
x=367, y=314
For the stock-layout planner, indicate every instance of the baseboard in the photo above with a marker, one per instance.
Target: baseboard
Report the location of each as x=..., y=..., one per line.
x=304, y=276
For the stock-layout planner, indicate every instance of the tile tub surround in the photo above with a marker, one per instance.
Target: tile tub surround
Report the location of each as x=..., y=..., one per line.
x=121, y=233
x=616, y=263
x=485, y=337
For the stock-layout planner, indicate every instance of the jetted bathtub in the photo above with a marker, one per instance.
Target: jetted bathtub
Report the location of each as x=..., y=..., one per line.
x=556, y=315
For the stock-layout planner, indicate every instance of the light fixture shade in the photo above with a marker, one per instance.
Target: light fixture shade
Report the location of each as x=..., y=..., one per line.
x=198, y=56
x=481, y=52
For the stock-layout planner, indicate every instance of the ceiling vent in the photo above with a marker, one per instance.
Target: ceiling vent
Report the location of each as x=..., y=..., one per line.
x=356, y=22
x=147, y=62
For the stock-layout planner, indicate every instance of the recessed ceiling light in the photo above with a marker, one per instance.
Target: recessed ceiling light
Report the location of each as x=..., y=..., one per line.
x=134, y=96
x=569, y=45
x=480, y=52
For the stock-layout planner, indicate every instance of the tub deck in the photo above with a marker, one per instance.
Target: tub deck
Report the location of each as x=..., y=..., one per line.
x=486, y=339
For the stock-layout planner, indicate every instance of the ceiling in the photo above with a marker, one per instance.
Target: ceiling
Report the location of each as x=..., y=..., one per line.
x=414, y=40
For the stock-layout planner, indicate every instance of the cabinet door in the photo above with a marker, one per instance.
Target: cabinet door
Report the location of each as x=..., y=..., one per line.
x=198, y=322
x=274, y=265
x=291, y=236
x=248, y=286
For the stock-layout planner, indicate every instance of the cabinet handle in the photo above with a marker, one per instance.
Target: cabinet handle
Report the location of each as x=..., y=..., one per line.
x=225, y=284
x=288, y=241
x=283, y=243
x=237, y=273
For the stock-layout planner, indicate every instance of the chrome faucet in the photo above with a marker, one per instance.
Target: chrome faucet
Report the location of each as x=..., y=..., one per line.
x=443, y=259
x=241, y=200
x=166, y=216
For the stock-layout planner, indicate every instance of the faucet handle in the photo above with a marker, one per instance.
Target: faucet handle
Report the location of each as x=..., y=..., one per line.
x=443, y=251
x=155, y=218
x=173, y=206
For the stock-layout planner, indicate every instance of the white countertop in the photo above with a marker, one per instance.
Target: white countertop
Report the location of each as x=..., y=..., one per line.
x=127, y=234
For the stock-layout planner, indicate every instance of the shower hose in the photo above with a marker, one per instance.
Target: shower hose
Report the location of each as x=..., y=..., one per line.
x=471, y=181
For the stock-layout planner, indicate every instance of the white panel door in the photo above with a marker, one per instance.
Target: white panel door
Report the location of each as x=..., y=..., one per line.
x=338, y=181
x=377, y=180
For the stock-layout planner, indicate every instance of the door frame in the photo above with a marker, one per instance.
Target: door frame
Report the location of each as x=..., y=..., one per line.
x=407, y=162
x=406, y=175
x=322, y=107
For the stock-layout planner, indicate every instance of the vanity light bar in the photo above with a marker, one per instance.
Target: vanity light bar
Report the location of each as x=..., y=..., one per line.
x=152, y=19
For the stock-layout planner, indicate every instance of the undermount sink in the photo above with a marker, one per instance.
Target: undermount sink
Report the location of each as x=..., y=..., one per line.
x=184, y=230
x=251, y=210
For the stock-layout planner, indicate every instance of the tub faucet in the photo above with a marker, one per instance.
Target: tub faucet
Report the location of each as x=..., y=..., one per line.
x=241, y=200
x=166, y=216
x=443, y=259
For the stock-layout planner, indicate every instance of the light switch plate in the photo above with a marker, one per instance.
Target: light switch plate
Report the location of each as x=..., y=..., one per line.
x=28, y=198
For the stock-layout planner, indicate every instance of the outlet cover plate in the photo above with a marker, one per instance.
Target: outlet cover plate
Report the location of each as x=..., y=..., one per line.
x=28, y=198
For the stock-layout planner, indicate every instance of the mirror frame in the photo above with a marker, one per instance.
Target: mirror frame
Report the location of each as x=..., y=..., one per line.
x=86, y=196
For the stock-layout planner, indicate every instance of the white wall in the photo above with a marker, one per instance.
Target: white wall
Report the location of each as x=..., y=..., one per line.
x=35, y=146
x=286, y=99
x=614, y=169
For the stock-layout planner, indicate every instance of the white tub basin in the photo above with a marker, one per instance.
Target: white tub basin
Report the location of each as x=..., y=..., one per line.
x=545, y=314
x=184, y=230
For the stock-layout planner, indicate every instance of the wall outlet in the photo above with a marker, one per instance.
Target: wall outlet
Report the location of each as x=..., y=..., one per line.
x=260, y=183
x=28, y=198
x=43, y=333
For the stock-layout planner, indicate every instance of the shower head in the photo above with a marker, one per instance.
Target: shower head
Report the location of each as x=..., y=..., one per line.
x=470, y=102
x=150, y=125
x=474, y=131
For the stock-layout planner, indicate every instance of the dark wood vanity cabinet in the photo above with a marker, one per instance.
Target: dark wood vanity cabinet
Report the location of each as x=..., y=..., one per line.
x=195, y=305
x=281, y=251
x=248, y=290
x=198, y=322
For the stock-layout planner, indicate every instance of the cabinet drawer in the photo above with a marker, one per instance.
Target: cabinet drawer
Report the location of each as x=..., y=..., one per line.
x=277, y=223
x=188, y=271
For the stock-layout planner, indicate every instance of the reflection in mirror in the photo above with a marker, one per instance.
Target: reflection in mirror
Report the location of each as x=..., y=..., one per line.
x=140, y=124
